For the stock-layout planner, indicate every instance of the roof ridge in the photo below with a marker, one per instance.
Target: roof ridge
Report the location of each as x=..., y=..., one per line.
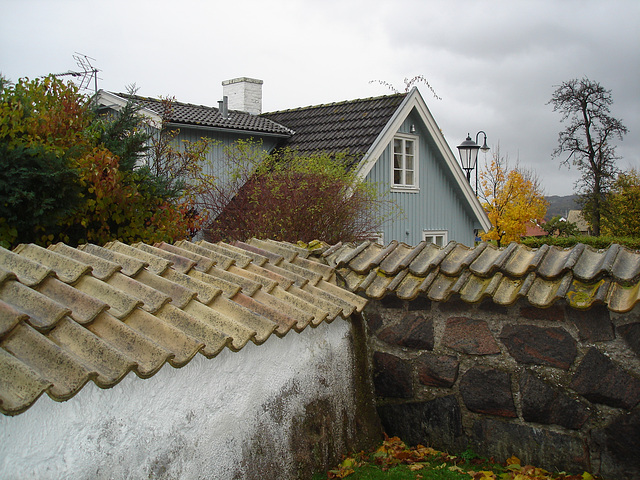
x=190, y=114
x=172, y=100
x=332, y=104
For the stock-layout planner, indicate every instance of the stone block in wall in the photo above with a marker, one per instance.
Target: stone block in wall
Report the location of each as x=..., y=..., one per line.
x=532, y=445
x=374, y=319
x=469, y=336
x=594, y=325
x=454, y=306
x=601, y=380
x=437, y=370
x=392, y=376
x=413, y=331
x=436, y=423
x=554, y=313
x=618, y=445
x=488, y=390
x=631, y=334
x=552, y=346
x=543, y=403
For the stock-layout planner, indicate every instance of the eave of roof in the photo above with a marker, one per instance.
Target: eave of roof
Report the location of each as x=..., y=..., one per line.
x=70, y=315
x=581, y=276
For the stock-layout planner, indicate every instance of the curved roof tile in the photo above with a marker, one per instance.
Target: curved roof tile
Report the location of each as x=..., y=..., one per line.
x=71, y=315
x=581, y=275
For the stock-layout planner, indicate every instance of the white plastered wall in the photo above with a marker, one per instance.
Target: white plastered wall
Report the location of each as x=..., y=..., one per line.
x=188, y=423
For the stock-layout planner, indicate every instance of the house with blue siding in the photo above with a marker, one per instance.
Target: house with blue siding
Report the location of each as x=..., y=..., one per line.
x=393, y=141
x=236, y=118
x=397, y=145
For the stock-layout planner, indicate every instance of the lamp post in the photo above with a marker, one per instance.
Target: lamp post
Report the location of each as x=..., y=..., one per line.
x=469, y=155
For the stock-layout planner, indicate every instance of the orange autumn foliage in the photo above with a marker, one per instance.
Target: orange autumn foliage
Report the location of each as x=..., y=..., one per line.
x=117, y=206
x=59, y=182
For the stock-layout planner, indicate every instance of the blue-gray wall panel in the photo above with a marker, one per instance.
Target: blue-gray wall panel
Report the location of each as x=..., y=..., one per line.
x=438, y=205
x=216, y=164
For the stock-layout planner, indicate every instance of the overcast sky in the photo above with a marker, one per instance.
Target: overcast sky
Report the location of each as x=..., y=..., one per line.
x=494, y=63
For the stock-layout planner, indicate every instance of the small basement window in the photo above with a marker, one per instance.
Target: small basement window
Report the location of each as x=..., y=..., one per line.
x=377, y=238
x=439, y=237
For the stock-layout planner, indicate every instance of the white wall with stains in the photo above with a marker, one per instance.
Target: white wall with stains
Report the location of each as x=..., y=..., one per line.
x=204, y=420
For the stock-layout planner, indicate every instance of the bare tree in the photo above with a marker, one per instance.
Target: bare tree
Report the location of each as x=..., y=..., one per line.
x=584, y=105
x=408, y=84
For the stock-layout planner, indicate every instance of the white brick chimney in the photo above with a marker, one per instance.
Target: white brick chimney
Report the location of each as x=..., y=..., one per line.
x=244, y=94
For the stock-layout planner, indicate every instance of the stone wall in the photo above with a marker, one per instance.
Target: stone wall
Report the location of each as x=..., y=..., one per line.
x=557, y=387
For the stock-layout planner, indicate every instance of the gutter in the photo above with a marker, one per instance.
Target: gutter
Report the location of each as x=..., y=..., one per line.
x=230, y=130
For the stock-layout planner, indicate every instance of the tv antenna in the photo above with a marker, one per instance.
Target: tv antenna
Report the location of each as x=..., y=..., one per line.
x=85, y=76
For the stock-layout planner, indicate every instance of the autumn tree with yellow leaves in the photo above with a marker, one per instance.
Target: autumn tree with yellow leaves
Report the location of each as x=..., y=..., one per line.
x=622, y=216
x=512, y=199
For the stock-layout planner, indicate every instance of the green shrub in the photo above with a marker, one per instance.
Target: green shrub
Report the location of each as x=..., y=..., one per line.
x=38, y=189
x=602, y=242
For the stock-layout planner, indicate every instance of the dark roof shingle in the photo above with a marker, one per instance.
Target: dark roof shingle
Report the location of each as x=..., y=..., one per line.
x=201, y=115
x=349, y=126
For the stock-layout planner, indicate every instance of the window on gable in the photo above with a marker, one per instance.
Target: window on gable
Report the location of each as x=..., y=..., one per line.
x=405, y=162
x=439, y=237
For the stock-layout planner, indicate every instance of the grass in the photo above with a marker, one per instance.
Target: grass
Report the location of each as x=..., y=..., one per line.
x=395, y=460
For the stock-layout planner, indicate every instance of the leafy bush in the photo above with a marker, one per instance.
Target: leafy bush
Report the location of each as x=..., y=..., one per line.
x=38, y=189
x=622, y=215
x=291, y=197
x=70, y=175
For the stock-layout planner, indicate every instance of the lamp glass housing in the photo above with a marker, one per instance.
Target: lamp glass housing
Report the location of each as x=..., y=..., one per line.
x=468, y=151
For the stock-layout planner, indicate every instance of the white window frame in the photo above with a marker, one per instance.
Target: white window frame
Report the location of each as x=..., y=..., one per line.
x=377, y=238
x=403, y=171
x=433, y=235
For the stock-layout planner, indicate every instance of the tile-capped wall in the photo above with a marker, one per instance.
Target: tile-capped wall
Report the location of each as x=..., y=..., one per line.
x=247, y=326
x=581, y=276
x=532, y=352
x=73, y=315
x=284, y=409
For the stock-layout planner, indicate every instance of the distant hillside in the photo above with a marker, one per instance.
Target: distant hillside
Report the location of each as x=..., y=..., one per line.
x=561, y=205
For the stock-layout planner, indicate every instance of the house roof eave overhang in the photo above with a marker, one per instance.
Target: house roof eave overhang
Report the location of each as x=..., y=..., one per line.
x=111, y=100
x=229, y=130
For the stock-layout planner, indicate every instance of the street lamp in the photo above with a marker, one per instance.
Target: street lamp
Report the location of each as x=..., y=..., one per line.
x=469, y=154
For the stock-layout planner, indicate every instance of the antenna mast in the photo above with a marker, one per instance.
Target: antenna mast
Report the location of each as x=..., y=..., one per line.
x=88, y=72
